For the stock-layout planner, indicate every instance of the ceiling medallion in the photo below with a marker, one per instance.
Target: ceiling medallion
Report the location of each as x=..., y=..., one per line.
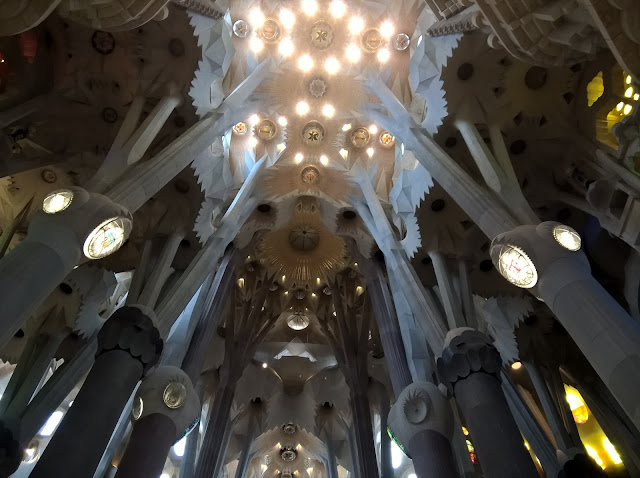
x=401, y=41
x=270, y=31
x=372, y=39
x=103, y=42
x=266, y=130
x=241, y=29
x=317, y=87
x=240, y=128
x=174, y=395
x=296, y=322
x=289, y=428
x=304, y=237
x=387, y=139
x=310, y=175
x=360, y=137
x=288, y=454
x=321, y=35
x=313, y=133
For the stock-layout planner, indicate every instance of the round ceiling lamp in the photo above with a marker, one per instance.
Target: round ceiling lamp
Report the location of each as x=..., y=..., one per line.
x=57, y=201
x=298, y=322
x=567, y=237
x=106, y=238
x=360, y=137
x=516, y=266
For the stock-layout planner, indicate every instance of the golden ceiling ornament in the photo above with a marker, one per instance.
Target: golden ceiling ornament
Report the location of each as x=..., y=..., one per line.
x=266, y=130
x=310, y=175
x=321, y=35
x=372, y=39
x=360, y=137
x=303, y=250
x=313, y=133
x=270, y=31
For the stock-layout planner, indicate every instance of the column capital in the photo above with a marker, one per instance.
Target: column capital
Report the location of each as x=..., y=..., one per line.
x=467, y=351
x=420, y=407
x=168, y=391
x=131, y=330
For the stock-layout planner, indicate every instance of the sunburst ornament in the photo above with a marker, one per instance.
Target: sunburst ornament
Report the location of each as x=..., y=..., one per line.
x=416, y=407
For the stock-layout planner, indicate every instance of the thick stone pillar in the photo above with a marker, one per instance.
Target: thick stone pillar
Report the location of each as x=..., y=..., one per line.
x=605, y=333
x=52, y=248
x=470, y=368
x=422, y=423
x=165, y=408
x=128, y=346
x=364, y=439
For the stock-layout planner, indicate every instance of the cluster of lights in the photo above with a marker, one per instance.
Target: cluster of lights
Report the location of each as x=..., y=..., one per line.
x=625, y=108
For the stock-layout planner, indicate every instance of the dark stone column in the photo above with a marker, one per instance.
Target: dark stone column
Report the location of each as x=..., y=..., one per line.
x=368, y=463
x=165, y=408
x=128, y=345
x=10, y=450
x=470, y=367
x=431, y=451
x=149, y=445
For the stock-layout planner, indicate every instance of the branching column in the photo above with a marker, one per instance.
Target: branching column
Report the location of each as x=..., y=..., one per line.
x=128, y=346
x=470, y=368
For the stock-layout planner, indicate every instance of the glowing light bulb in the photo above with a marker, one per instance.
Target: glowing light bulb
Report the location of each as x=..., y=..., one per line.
x=332, y=65
x=282, y=121
x=356, y=25
x=516, y=365
x=636, y=97
x=328, y=110
x=373, y=129
x=620, y=106
x=256, y=17
x=309, y=7
x=253, y=142
x=298, y=158
x=287, y=18
x=344, y=153
x=256, y=45
x=370, y=152
x=254, y=119
x=286, y=47
x=302, y=108
x=628, y=80
x=264, y=365
x=284, y=278
x=629, y=92
x=346, y=127
x=324, y=160
x=383, y=55
x=627, y=109
x=353, y=53
x=337, y=8
x=386, y=29
x=305, y=63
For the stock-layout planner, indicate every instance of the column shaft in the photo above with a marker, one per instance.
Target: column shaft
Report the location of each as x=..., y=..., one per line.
x=88, y=425
x=432, y=455
x=496, y=437
x=148, y=447
x=214, y=448
x=366, y=454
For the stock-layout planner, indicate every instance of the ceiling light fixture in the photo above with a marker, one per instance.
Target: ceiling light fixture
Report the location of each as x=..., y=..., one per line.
x=386, y=29
x=305, y=63
x=328, y=110
x=256, y=17
x=356, y=25
x=324, y=160
x=332, y=65
x=302, y=108
x=287, y=18
x=253, y=142
x=383, y=55
x=344, y=153
x=370, y=152
x=353, y=53
x=256, y=45
x=309, y=7
x=254, y=119
x=286, y=47
x=298, y=158
x=282, y=121
x=337, y=8
x=346, y=127
x=373, y=129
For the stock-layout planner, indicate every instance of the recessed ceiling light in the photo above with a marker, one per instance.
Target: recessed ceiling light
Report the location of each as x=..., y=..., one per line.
x=287, y=18
x=254, y=119
x=302, y=108
x=332, y=65
x=298, y=158
x=346, y=127
x=370, y=151
x=324, y=160
x=282, y=121
x=373, y=129
x=337, y=8
x=386, y=29
x=356, y=25
x=383, y=55
x=344, y=153
x=328, y=110
x=309, y=7
x=256, y=17
x=253, y=142
x=256, y=45
x=305, y=63
x=353, y=53
x=286, y=47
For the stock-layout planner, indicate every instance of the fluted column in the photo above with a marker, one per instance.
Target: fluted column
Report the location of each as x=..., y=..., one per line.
x=470, y=367
x=51, y=249
x=166, y=407
x=605, y=333
x=128, y=345
x=422, y=422
x=368, y=464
